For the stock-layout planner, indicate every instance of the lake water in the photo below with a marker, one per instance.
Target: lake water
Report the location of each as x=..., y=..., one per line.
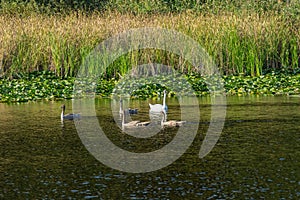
x=257, y=155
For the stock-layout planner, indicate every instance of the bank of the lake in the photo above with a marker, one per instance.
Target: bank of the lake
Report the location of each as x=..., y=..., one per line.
x=255, y=47
x=47, y=86
x=239, y=39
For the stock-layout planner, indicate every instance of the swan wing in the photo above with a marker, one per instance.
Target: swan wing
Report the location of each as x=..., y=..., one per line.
x=155, y=107
x=132, y=111
x=69, y=116
x=165, y=108
x=132, y=123
x=180, y=123
x=72, y=116
x=143, y=123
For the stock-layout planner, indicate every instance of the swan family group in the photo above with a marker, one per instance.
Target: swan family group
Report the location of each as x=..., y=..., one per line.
x=154, y=108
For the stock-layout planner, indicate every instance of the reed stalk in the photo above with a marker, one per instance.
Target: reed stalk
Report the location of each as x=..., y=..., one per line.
x=240, y=43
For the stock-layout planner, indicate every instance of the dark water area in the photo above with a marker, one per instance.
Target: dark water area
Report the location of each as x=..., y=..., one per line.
x=256, y=157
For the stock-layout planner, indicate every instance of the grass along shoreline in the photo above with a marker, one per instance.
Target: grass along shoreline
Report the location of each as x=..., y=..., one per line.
x=47, y=86
x=240, y=43
x=256, y=47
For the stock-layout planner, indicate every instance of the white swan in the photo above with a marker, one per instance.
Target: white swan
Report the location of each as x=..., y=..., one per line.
x=132, y=124
x=158, y=107
x=143, y=123
x=129, y=110
x=68, y=116
x=129, y=124
x=171, y=123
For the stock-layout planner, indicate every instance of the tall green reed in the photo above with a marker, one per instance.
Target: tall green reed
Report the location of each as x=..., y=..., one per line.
x=239, y=43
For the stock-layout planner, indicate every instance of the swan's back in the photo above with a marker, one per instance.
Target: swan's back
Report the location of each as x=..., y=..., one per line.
x=72, y=116
x=132, y=111
x=173, y=123
x=68, y=116
x=156, y=107
x=131, y=124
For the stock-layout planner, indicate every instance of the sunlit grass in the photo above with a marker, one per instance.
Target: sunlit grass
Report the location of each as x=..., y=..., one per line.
x=239, y=43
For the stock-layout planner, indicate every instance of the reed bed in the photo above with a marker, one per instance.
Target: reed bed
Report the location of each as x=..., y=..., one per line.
x=239, y=43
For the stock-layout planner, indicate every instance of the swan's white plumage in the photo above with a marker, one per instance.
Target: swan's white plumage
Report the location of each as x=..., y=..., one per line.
x=129, y=124
x=159, y=107
x=171, y=123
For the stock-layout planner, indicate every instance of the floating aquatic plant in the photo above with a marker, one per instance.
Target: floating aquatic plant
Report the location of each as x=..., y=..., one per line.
x=47, y=86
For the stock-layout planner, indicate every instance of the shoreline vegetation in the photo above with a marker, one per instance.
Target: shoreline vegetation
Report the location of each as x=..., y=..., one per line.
x=255, y=44
x=46, y=85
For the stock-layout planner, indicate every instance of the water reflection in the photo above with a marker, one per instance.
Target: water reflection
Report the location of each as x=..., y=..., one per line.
x=257, y=155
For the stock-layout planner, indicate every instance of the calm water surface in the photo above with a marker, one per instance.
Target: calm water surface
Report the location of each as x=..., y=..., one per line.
x=256, y=157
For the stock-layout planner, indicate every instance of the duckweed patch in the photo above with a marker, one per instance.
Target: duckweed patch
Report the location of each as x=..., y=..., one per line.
x=47, y=86
x=44, y=86
x=269, y=84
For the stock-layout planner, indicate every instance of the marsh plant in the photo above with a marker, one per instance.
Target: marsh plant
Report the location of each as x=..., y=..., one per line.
x=242, y=38
x=45, y=42
x=47, y=86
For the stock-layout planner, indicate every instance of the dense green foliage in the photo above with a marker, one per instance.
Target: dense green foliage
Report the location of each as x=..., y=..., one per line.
x=243, y=37
x=146, y=6
x=246, y=39
x=239, y=44
x=46, y=86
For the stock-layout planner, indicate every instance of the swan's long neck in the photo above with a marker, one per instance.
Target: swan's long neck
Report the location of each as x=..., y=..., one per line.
x=164, y=101
x=62, y=113
x=123, y=118
x=121, y=106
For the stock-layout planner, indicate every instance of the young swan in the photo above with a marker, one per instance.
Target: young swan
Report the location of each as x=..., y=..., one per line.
x=67, y=116
x=131, y=111
x=143, y=123
x=132, y=124
x=129, y=124
x=158, y=107
x=171, y=123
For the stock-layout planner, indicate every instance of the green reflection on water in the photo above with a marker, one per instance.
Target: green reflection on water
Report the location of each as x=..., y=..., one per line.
x=256, y=156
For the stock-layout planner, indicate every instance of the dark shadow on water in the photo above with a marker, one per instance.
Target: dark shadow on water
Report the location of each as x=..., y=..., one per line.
x=257, y=155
